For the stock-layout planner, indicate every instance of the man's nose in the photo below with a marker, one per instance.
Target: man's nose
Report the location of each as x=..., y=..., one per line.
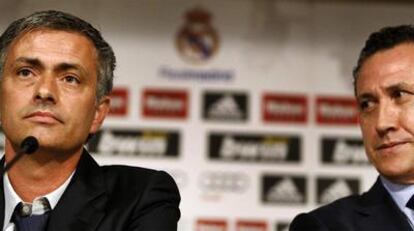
x=387, y=118
x=45, y=90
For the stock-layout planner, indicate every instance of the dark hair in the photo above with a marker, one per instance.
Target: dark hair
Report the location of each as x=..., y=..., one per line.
x=385, y=38
x=56, y=20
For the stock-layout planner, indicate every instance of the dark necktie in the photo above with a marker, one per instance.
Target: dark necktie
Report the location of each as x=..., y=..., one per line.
x=410, y=203
x=25, y=220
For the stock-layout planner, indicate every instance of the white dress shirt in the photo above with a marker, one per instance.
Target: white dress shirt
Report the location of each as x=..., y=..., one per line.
x=12, y=199
x=401, y=194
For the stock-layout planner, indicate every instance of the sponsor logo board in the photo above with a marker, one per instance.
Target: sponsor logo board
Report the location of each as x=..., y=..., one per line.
x=284, y=189
x=211, y=225
x=165, y=103
x=254, y=147
x=246, y=225
x=145, y=142
x=282, y=226
x=284, y=108
x=336, y=110
x=330, y=188
x=223, y=181
x=343, y=151
x=180, y=177
x=119, y=102
x=225, y=106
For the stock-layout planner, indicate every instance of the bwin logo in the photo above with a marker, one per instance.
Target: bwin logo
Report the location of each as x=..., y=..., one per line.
x=132, y=145
x=346, y=153
x=250, y=150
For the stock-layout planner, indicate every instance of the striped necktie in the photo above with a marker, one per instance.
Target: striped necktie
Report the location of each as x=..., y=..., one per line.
x=31, y=217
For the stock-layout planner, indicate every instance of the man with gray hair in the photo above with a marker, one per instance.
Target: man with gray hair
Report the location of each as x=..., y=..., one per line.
x=56, y=75
x=384, y=89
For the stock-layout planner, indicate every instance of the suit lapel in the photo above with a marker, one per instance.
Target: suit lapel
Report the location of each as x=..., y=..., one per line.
x=81, y=206
x=379, y=211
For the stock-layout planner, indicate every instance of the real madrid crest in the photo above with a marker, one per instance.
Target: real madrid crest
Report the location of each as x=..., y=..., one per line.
x=197, y=41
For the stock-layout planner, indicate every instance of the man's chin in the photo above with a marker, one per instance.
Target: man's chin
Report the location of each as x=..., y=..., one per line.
x=57, y=148
x=398, y=175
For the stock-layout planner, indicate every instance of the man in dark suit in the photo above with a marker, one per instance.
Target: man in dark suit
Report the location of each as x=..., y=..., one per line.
x=384, y=89
x=56, y=75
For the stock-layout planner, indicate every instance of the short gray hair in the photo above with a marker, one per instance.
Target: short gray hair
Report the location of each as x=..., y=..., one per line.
x=56, y=20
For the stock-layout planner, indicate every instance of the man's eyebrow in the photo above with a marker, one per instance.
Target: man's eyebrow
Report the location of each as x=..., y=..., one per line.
x=32, y=61
x=69, y=66
x=364, y=96
x=400, y=86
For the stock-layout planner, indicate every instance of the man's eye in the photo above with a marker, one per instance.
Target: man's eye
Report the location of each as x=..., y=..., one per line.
x=24, y=72
x=365, y=105
x=71, y=79
x=399, y=93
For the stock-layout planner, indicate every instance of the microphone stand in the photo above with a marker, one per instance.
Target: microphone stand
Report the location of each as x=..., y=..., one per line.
x=28, y=146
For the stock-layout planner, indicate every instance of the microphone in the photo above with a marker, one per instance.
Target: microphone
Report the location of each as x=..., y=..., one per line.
x=28, y=146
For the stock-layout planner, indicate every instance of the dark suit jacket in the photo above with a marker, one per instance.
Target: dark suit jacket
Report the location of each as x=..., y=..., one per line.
x=374, y=210
x=114, y=198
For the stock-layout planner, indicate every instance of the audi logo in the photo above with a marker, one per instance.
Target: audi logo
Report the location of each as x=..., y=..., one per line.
x=223, y=181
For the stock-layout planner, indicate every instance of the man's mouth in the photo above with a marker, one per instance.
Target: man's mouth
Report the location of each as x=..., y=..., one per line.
x=43, y=117
x=389, y=145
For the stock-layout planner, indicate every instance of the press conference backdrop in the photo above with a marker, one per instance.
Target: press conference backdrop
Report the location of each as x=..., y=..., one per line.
x=248, y=104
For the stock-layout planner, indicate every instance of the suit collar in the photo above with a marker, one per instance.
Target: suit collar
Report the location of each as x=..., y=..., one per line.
x=81, y=206
x=400, y=193
x=379, y=211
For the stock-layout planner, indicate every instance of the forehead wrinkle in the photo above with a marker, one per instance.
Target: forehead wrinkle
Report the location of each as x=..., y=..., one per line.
x=57, y=68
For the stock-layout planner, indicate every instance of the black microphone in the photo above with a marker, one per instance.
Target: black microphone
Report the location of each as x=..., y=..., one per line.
x=28, y=146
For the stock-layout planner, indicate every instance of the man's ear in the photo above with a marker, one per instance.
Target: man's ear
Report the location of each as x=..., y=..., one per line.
x=101, y=111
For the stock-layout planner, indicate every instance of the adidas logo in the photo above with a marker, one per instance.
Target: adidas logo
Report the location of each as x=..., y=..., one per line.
x=226, y=107
x=336, y=190
x=284, y=191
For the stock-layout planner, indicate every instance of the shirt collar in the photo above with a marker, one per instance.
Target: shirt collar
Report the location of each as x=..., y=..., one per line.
x=12, y=199
x=399, y=192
